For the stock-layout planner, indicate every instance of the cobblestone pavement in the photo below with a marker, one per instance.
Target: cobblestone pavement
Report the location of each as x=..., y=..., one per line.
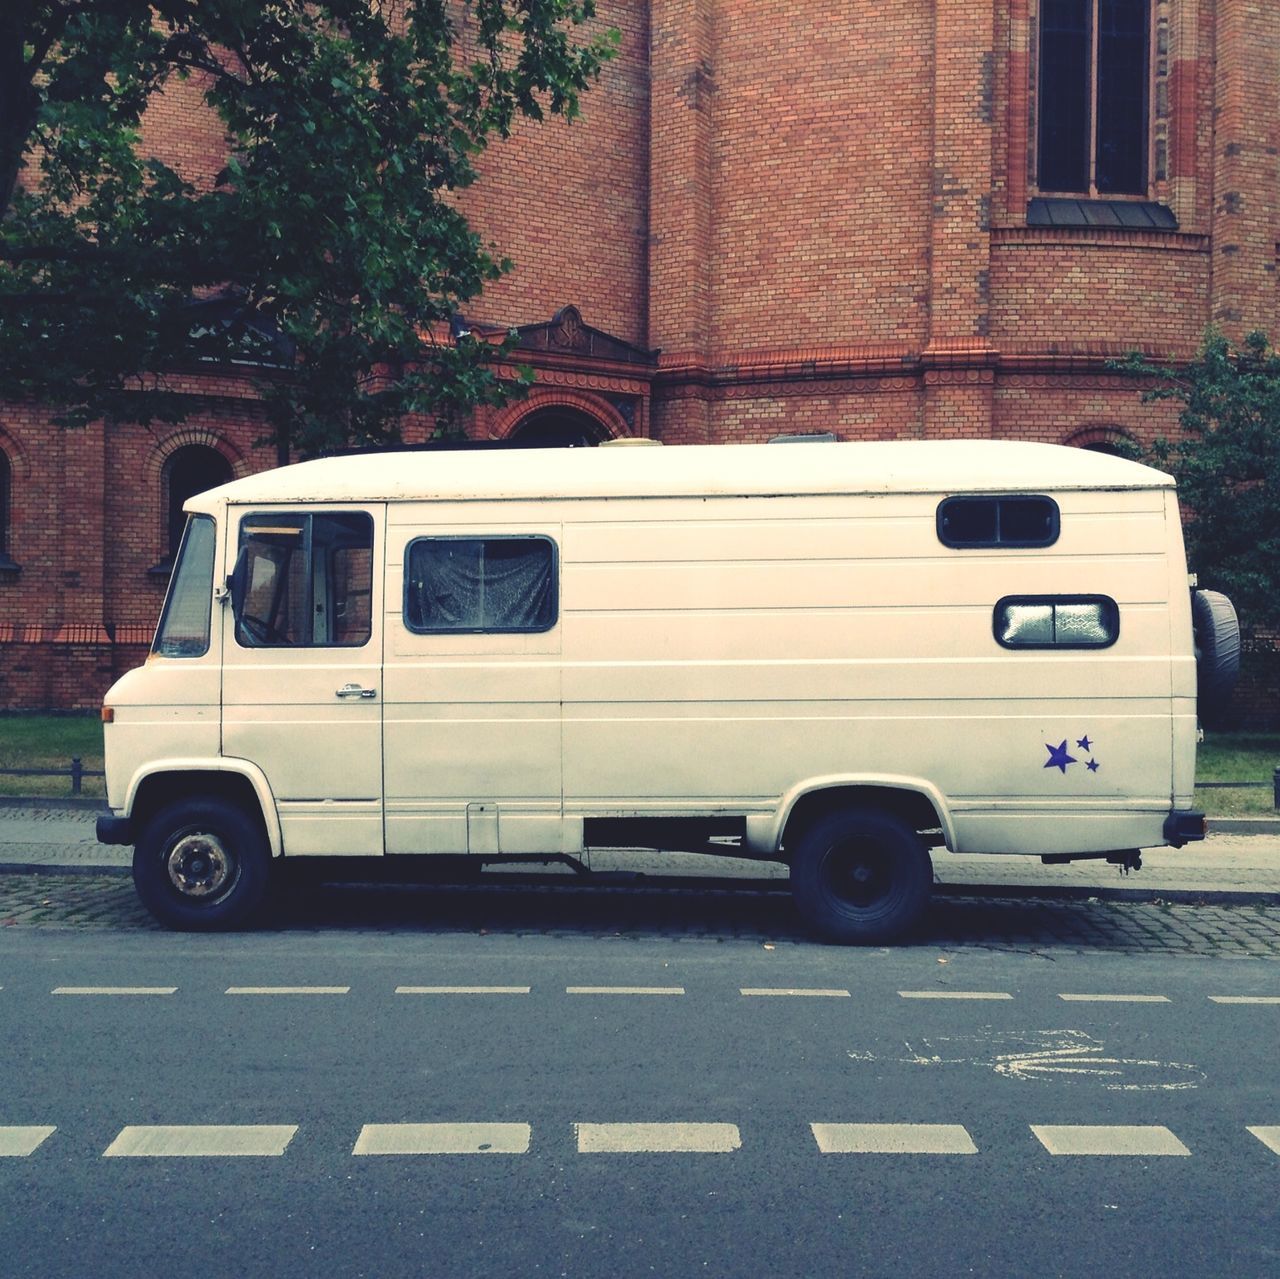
x=676, y=913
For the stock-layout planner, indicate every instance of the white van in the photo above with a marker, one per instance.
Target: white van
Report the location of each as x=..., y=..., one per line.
x=836, y=656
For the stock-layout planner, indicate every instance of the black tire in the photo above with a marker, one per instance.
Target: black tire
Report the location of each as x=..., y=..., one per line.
x=1217, y=636
x=861, y=876
x=202, y=865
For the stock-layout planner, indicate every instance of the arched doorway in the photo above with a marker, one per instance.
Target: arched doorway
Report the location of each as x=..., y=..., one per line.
x=557, y=427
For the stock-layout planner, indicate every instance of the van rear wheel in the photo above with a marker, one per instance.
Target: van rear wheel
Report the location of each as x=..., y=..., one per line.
x=860, y=876
x=202, y=865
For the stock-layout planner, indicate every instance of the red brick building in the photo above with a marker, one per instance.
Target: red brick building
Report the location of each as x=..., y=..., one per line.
x=915, y=218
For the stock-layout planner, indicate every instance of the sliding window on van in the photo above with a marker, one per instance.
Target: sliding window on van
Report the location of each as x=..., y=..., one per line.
x=304, y=581
x=479, y=585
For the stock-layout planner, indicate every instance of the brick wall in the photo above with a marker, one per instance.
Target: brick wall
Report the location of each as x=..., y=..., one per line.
x=817, y=214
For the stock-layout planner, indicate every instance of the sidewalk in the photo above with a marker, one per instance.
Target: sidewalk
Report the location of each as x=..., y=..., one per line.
x=1239, y=862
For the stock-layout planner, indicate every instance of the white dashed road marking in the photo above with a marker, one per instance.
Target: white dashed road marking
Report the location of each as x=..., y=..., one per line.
x=146, y=1140
x=1108, y=1139
x=1115, y=999
x=893, y=1139
x=955, y=994
x=18, y=1141
x=114, y=990
x=462, y=990
x=624, y=990
x=288, y=990
x=1245, y=999
x=778, y=990
x=443, y=1139
x=636, y=1139
x=1269, y=1137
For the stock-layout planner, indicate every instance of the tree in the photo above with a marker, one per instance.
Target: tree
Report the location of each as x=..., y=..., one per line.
x=328, y=254
x=1227, y=463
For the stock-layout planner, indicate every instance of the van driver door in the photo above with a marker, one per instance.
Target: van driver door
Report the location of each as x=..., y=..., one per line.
x=302, y=676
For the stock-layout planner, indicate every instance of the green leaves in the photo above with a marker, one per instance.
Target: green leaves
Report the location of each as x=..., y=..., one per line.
x=1227, y=463
x=328, y=248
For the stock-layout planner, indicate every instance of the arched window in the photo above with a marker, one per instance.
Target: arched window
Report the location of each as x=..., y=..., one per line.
x=6, y=484
x=188, y=471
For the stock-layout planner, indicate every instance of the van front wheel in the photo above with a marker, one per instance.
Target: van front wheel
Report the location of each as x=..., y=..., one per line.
x=201, y=865
x=860, y=876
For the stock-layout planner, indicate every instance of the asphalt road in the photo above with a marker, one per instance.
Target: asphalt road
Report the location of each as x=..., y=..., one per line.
x=589, y=1105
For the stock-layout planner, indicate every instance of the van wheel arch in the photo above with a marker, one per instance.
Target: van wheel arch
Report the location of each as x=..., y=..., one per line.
x=910, y=806
x=159, y=790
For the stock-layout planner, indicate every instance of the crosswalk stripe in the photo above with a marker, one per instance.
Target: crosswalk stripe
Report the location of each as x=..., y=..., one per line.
x=1115, y=999
x=799, y=992
x=1108, y=1139
x=204, y=1140
x=288, y=990
x=114, y=990
x=646, y=1138
x=443, y=1139
x=1245, y=999
x=462, y=990
x=1269, y=1136
x=624, y=990
x=19, y=1140
x=954, y=994
x=893, y=1139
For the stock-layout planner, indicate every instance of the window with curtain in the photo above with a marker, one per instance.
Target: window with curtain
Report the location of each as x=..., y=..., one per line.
x=471, y=584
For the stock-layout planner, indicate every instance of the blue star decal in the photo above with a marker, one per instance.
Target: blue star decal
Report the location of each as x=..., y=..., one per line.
x=1058, y=757
x=1092, y=765
x=1085, y=744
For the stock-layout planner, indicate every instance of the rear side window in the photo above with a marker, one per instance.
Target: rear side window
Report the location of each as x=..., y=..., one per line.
x=1057, y=621
x=480, y=585
x=972, y=522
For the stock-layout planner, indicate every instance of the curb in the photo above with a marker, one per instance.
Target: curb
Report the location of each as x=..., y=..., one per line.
x=42, y=803
x=608, y=880
x=1244, y=825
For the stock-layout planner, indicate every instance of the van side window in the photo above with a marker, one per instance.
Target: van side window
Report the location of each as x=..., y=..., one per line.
x=1057, y=621
x=477, y=585
x=304, y=580
x=971, y=522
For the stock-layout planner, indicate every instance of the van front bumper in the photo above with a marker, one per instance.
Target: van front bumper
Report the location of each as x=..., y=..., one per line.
x=114, y=830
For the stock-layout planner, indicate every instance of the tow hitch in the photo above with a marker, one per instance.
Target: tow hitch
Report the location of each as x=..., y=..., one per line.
x=1126, y=859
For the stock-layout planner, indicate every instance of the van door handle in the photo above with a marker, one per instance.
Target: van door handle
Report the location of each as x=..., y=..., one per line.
x=355, y=690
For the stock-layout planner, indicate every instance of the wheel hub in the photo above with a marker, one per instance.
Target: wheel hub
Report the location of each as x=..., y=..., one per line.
x=199, y=865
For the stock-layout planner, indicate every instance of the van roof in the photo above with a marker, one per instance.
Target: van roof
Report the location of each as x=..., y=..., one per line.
x=717, y=470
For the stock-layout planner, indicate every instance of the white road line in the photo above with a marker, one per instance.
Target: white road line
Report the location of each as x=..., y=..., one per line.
x=204, y=1140
x=443, y=1139
x=1245, y=999
x=801, y=992
x=462, y=990
x=893, y=1139
x=17, y=1141
x=114, y=990
x=1108, y=1139
x=955, y=994
x=288, y=990
x=1269, y=1137
x=643, y=1139
x=1115, y=999
x=624, y=990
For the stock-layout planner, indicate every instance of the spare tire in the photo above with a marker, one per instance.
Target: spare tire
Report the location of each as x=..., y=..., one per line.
x=1217, y=636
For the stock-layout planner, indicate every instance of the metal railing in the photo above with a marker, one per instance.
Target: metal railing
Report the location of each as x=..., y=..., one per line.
x=77, y=772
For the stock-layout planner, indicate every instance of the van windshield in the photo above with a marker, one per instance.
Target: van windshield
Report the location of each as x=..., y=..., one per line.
x=184, y=624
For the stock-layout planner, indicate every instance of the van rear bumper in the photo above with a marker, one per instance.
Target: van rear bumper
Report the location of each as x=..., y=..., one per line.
x=1184, y=826
x=111, y=829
